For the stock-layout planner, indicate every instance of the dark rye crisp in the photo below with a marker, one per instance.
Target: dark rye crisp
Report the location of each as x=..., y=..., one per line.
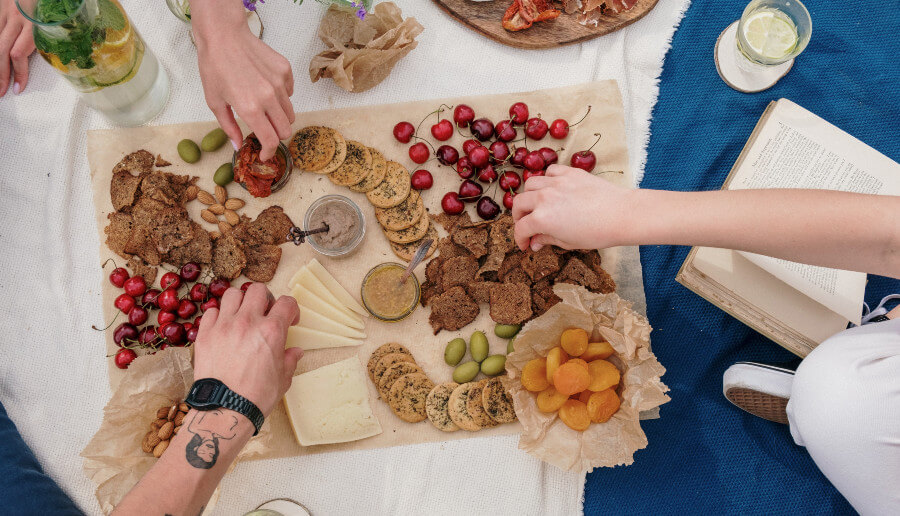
x=437, y=404
x=511, y=303
x=356, y=166
x=312, y=148
x=123, y=190
x=393, y=190
x=403, y=215
x=458, y=271
x=262, y=262
x=452, y=310
x=407, y=397
x=228, y=258
x=138, y=162
x=539, y=264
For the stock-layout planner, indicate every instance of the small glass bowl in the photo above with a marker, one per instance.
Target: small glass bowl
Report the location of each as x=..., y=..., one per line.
x=338, y=251
x=408, y=311
x=288, y=162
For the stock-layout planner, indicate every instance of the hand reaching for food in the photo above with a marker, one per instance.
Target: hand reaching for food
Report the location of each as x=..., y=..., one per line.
x=16, y=44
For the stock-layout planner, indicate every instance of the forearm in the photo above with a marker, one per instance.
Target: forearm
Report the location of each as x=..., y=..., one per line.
x=210, y=18
x=818, y=227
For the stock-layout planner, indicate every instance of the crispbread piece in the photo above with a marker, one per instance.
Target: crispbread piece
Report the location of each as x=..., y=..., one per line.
x=458, y=271
x=436, y=405
x=384, y=349
x=452, y=310
x=123, y=189
x=473, y=238
x=456, y=408
x=228, y=258
x=141, y=244
x=356, y=165
x=198, y=249
x=475, y=407
x=139, y=267
x=434, y=270
x=393, y=189
x=262, y=262
x=271, y=226
x=407, y=397
x=160, y=162
x=138, y=162
x=448, y=222
x=481, y=290
x=393, y=373
x=387, y=361
x=501, y=239
x=312, y=148
x=375, y=175
x=576, y=272
x=166, y=188
x=448, y=248
x=538, y=264
x=406, y=214
x=592, y=260
x=543, y=300
x=510, y=303
x=497, y=402
x=172, y=228
x=413, y=233
x=407, y=251
x=118, y=232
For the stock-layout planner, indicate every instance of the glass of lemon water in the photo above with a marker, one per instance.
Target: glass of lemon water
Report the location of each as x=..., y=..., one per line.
x=753, y=53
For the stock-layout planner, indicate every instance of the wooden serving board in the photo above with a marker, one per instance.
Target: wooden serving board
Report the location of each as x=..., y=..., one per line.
x=485, y=17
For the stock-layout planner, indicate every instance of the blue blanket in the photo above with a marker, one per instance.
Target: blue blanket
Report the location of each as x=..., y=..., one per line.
x=705, y=456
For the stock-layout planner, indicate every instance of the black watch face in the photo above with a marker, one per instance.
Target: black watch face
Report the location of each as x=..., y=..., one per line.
x=203, y=391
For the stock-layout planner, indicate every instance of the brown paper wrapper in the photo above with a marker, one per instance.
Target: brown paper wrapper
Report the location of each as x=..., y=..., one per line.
x=361, y=53
x=606, y=444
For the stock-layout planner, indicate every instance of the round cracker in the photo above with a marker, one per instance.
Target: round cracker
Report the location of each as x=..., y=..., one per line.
x=381, y=351
x=403, y=215
x=393, y=189
x=376, y=174
x=407, y=397
x=393, y=373
x=475, y=408
x=355, y=167
x=456, y=408
x=389, y=360
x=497, y=402
x=407, y=251
x=339, y=154
x=436, y=405
x=312, y=148
x=410, y=234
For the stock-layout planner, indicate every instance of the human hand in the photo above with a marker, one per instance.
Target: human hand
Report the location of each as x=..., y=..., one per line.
x=242, y=344
x=241, y=73
x=570, y=208
x=16, y=44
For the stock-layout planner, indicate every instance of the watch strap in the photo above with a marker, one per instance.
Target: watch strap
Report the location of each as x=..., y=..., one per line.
x=233, y=401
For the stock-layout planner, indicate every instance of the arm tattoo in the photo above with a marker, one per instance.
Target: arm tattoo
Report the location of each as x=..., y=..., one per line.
x=207, y=428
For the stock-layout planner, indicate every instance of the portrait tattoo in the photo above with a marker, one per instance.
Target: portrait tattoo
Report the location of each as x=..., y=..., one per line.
x=207, y=429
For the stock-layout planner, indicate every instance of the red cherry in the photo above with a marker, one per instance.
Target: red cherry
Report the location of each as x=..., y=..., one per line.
x=509, y=180
x=442, y=131
x=118, y=276
x=124, y=358
x=536, y=128
x=482, y=129
x=191, y=334
x=125, y=303
x=505, y=131
x=190, y=271
x=534, y=161
x=518, y=113
x=244, y=286
x=197, y=319
x=404, y=131
x=585, y=160
x=209, y=304
x=518, y=157
x=173, y=333
x=419, y=153
x=218, y=286
x=163, y=346
x=138, y=315
x=499, y=151
x=487, y=209
x=165, y=316
x=147, y=336
x=470, y=144
x=559, y=129
x=168, y=300
x=186, y=309
x=464, y=168
x=470, y=191
x=198, y=292
x=479, y=156
x=187, y=325
x=451, y=204
x=528, y=174
x=550, y=156
x=446, y=154
x=421, y=179
x=462, y=115
x=487, y=174
x=123, y=333
x=149, y=298
x=508, y=200
x=135, y=286
x=170, y=279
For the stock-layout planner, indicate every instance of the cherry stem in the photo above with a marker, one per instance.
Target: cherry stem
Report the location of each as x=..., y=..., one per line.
x=107, y=261
x=118, y=312
x=582, y=118
x=608, y=172
x=426, y=142
x=439, y=110
x=598, y=135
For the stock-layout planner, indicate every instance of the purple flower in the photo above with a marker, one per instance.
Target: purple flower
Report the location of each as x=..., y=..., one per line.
x=360, y=10
x=251, y=4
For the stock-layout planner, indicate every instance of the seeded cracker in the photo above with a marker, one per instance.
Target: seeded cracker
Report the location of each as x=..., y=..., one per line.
x=497, y=401
x=356, y=165
x=407, y=251
x=393, y=373
x=456, y=408
x=407, y=397
x=312, y=148
x=380, y=352
x=393, y=190
x=436, y=405
x=389, y=360
x=475, y=408
x=403, y=215
x=375, y=175
x=413, y=233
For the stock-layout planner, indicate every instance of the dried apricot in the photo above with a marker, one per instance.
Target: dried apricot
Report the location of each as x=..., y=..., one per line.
x=583, y=396
x=602, y=405
x=534, y=375
x=574, y=341
x=571, y=378
x=575, y=415
x=555, y=358
x=578, y=361
x=597, y=350
x=603, y=375
x=549, y=400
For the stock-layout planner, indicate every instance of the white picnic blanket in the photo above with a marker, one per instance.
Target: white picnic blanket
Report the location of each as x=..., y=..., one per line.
x=53, y=379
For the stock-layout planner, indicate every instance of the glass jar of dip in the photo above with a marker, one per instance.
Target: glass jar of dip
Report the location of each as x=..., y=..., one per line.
x=347, y=226
x=386, y=297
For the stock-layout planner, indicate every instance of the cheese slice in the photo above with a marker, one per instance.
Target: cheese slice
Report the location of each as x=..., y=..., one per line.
x=310, y=301
x=331, y=405
x=336, y=288
x=300, y=337
x=316, y=321
x=309, y=281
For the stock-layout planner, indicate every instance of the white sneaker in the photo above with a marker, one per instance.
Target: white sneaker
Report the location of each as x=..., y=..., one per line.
x=760, y=389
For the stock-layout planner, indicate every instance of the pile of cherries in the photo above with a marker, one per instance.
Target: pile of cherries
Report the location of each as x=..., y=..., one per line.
x=181, y=296
x=487, y=157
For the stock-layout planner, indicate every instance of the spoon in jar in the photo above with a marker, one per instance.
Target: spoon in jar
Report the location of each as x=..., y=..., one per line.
x=421, y=252
x=298, y=236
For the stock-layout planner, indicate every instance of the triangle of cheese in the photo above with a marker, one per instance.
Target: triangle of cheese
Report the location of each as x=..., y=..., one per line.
x=306, y=339
x=310, y=301
x=336, y=288
x=316, y=321
x=308, y=280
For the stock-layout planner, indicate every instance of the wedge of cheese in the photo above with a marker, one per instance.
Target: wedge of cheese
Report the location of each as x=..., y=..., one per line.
x=309, y=281
x=331, y=405
x=310, y=301
x=306, y=339
x=335, y=288
x=316, y=321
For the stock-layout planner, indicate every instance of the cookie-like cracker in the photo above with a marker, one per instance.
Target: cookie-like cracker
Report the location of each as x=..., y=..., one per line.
x=407, y=397
x=407, y=251
x=393, y=190
x=475, y=408
x=375, y=175
x=356, y=165
x=312, y=148
x=497, y=402
x=404, y=215
x=389, y=360
x=393, y=373
x=456, y=408
x=413, y=233
x=339, y=154
x=436, y=405
x=384, y=349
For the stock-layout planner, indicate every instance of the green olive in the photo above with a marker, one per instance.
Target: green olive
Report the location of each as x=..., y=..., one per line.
x=455, y=351
x=511, y=346
x=507, y=331
x=465, y=372
x=214, y=140
x=224, y=174
x=189, y=151
x=493, y=365
x=478, y=346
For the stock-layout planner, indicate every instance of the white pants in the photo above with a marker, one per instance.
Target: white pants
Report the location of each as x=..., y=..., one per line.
x=845, y=409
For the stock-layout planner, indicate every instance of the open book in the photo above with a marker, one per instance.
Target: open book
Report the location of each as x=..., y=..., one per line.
x=795, y=305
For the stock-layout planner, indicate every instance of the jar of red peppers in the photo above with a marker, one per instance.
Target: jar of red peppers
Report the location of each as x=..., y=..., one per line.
x=258, y=177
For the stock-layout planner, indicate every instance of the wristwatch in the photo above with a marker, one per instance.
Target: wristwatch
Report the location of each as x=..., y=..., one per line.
x=879, y=318
x=210, y=394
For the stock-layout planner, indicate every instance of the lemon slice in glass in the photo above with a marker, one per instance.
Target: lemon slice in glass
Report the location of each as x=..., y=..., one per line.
x=769, y=35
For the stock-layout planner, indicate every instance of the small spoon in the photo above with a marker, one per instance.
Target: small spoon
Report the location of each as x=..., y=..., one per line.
x=421, y=252
x=298, y=236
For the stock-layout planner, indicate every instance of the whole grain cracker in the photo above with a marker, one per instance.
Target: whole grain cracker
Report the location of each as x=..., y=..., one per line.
x=436, y=405
x=456, y=408
x=356, y=166
x=393, y=189
x=312, y=148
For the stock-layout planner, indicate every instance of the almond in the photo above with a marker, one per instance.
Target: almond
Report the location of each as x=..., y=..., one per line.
x=206, y=197
x=191, y=192
x=145, y=444
x=232, y=217
x=160, y=449
x=214, y=234
x=224, y=227
x=159, y=422
x=218, y=209
x=172, y=411
x=162, y=412
x=234, y=204
x=221, y=194
x=209, y=216
x=165, y=431
x=152, y=439
x=175, y=431
x=179, y=418
x=184, y=407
